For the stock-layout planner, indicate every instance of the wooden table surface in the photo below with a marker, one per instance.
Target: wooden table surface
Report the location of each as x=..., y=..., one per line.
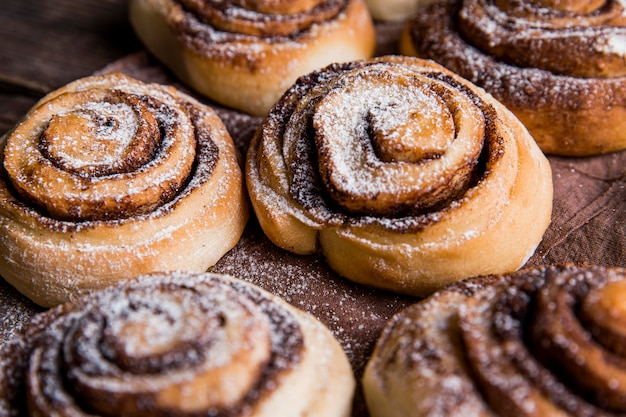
x=46, y=44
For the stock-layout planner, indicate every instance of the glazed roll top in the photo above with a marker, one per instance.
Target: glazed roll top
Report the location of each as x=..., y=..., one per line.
x=175, y=344
x=545, y=341
x=394, y=168
x=109, y=177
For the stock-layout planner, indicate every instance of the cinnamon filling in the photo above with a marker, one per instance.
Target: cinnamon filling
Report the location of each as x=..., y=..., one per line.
x=411, y=145
x=574, y=38
x=538, y=345
x=436, y=36
x=102, y=138
x=101, y=155
x=603, y=312
x=263, y=18
x=183, y=345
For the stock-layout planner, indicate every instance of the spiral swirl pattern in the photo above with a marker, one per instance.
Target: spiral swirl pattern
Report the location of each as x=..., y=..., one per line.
x=264, y=18
x=575, y=38
x=558, y=65
x=246, y=53
x=166, y=344
x=105, y=178
x=388, y=155
x=538, y=342
x=98, y=155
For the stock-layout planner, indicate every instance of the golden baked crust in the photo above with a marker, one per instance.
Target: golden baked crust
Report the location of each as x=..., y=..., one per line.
x=107, y=178
x=561, y=71
x=246, y=54
x=536, y=342
x=402, y=174
x=176, y=343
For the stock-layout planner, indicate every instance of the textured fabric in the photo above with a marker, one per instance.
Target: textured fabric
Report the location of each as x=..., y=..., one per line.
x=589, y=213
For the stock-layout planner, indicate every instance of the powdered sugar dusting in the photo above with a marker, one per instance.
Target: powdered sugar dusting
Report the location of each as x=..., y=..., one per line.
x=435, y=36
x=180, y=134
x=119, y=128
x=480, y=345
x=354, y=314
x=213, y=31
x=363, y=171
x=612, y=44
x=156, y=304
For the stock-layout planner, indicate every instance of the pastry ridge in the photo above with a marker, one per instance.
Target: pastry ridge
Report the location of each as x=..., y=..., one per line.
x=179, y=343
x=561, y=72
x=53, y=258
x=247, y=64
x=518, y=344
x=410, y=221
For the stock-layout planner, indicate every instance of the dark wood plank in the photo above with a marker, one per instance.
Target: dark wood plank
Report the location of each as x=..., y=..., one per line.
x=12, y=109
x=46, y=44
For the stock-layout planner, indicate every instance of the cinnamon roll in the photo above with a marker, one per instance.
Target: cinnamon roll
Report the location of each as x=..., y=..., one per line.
x=545, y=341
x=402, y=174
x=560, y=66
x=107, y=178
x=175, y=343
x=245, y=53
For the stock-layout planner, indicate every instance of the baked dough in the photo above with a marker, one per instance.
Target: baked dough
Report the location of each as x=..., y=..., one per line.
x=107, y=178
x=245, y=54
x=176, y=343
x=558, y=65
x=402, y=174
x=547, y=341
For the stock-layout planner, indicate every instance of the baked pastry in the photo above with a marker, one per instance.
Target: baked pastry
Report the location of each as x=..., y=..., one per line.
x=402, y=174
x=107, y=178
x=246, y=53
x=541, y=342
x=394, y=10
x=176, y=343
x=558, y=65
